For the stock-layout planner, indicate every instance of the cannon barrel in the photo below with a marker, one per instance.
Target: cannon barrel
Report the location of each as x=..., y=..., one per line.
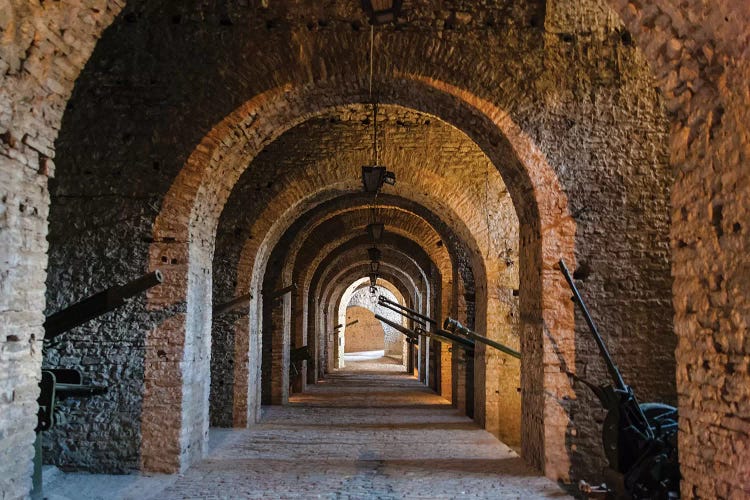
x=397, y=327
x=97, y=304
x=232, y=304
x=614, y=372
x=404, y=313
x=275, y=294
x=384, y=300
x=443, y=335
x=456, y=327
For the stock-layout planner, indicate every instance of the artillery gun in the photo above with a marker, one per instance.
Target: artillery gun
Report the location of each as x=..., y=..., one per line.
x=456, y=327
x=58, y=384
x=421, y=320
x=441, y=336
x=640, y=439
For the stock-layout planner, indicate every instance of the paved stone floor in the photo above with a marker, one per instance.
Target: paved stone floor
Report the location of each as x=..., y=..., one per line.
x=372, y=361
x=358, y=434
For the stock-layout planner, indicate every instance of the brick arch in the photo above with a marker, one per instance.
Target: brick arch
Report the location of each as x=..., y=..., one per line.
x=333, y=232
x=398, y=291
x=327, y=292
x=331, y=294
x=348, y=257
x=279, y=220
x=306, y=268
x=242, y=337
x=398, y=279
x=400, y=222
x=355, y=219
x=398, y=253
x=277, y=315
x=172, y=228
x=393, y=280
x=335, y=207
x=417, y=293
x=272, y=223
x=361, y=285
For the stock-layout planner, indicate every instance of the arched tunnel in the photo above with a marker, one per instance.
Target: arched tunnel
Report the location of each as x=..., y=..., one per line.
x=226, y=144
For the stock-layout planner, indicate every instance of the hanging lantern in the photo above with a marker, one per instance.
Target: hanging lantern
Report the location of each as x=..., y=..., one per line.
x=382, y=11
x=375, y=231
x=374, y=253
x=372, y=178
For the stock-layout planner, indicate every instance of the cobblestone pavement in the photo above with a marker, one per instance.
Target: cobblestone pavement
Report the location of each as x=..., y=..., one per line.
x=360, y=433
x=363, y=435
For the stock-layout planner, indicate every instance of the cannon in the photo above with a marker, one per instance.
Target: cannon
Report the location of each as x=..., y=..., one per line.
x=98, y=304
x=422, y=320
x=410, y=334
x=441, y=336
x=231, y=305
x=456, y=327
x=62, y=383
x=296, y=356
x=639, y=439
x=299, y=354
x=405, y=311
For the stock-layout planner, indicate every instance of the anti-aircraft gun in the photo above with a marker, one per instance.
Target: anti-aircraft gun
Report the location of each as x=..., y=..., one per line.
x=58, y=384
x=456, y=327
x=640, y=439
x=421, y=320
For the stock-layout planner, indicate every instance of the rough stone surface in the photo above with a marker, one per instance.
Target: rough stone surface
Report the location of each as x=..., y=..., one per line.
x=369, y=334
x=365, y=433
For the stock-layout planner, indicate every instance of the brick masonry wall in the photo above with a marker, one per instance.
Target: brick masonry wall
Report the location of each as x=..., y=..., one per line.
x=44, y=48
x=390, y=340
x=699, y=56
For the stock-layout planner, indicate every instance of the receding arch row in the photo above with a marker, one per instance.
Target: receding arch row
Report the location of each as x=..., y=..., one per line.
x=418, y=294
x=256, y=238
x=204, y=247
x=240, y=377
x=359, y=295
x=277, y=317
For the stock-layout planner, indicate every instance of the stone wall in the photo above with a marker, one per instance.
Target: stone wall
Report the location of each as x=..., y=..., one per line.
x=392, y=341
x=366, y=335
x=699, y=55
x=44, y=48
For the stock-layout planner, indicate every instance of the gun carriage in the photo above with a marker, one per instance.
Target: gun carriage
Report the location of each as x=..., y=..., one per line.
x=639, y=439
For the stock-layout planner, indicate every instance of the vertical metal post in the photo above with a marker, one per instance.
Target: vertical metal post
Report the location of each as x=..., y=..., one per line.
x=36, y=478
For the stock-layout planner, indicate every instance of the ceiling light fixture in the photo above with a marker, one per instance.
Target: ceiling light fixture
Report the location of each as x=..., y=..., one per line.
x=374, y=254
x=375, y=175
x=382, y=11
x=375, y=231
